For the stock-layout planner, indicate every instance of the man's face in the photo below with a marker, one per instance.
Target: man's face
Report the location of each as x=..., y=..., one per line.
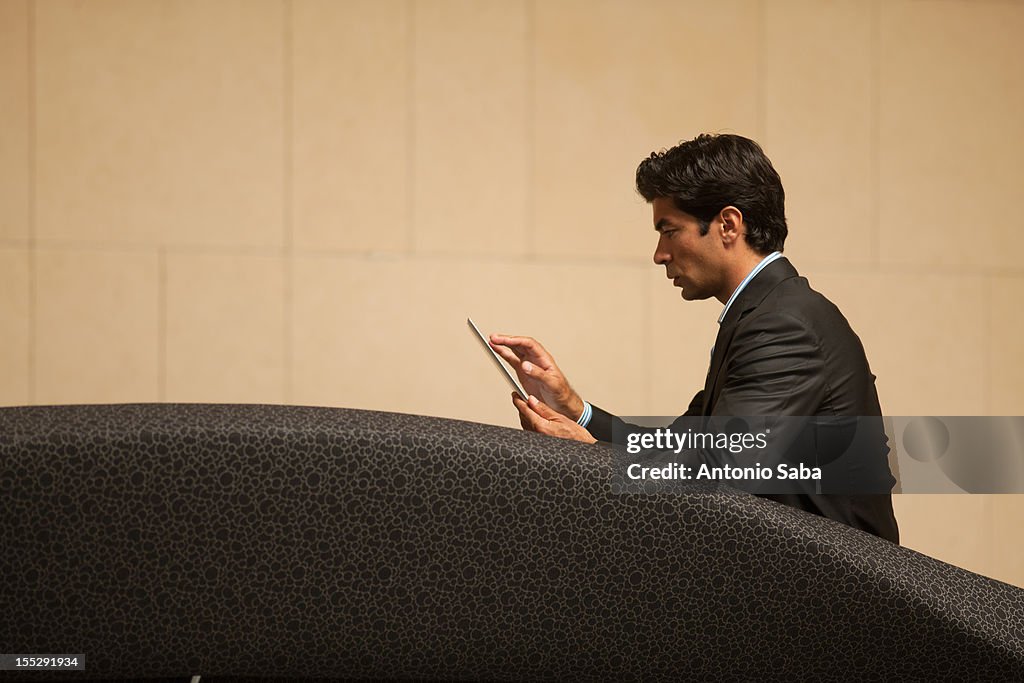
x=693, y=262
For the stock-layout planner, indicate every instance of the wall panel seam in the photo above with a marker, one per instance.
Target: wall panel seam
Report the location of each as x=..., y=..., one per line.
x=32, y=201
x=760, y=72
x=989, y=290
x=530, y=111
x=874, y=149
x=161, y=326
x=410, y=126
x=288, y=199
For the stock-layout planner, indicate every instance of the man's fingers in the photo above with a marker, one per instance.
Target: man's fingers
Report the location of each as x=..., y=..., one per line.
x=530, y=369
x=536, y=411
x=512, y=340
x=508, y=354
x=535, y=416
x=524, y=348
x=542, y=409
x=527, y=417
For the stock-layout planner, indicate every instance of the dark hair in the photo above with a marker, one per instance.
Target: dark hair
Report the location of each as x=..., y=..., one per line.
x=704, y=175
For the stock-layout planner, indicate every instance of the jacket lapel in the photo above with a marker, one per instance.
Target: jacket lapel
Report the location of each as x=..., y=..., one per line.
x=749, y=299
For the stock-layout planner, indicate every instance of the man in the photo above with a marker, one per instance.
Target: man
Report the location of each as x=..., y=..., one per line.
x=782, y=349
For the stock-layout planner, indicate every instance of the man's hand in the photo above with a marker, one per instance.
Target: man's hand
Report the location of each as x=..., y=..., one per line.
x=537, y=417
x=538, y=373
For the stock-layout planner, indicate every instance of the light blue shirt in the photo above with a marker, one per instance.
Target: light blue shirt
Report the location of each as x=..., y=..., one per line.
x=588, y=410
x=774, y=256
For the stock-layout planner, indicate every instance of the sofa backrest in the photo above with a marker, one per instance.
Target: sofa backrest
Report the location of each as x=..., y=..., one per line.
x=275, y=541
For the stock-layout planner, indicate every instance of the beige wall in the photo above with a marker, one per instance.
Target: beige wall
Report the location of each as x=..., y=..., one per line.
x=300, y=202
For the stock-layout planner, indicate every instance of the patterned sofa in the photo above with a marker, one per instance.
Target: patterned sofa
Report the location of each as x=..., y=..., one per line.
x=274, y=542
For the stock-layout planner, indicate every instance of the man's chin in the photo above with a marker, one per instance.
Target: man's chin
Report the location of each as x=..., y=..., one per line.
x=691, y=295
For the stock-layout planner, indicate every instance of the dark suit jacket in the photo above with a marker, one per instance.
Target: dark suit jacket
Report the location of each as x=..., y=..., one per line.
x=785, y=350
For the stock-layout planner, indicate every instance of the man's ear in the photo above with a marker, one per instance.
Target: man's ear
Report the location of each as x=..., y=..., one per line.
x=732, y=224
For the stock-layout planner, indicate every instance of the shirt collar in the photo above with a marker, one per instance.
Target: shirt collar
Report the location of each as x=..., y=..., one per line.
x=750, y=276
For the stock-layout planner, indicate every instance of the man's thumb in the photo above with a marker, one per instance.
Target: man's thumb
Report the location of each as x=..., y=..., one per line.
x=541, y=408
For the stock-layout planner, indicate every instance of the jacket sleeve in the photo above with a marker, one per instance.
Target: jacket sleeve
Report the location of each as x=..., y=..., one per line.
x=603, y=424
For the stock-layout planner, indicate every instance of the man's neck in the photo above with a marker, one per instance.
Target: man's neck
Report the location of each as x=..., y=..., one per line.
x=745, y=282
x=738, y=272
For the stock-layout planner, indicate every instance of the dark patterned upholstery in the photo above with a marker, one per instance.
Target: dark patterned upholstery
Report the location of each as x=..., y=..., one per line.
x=270, y=541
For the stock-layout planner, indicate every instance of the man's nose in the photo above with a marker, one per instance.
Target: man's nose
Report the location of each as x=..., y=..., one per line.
x=661, y=256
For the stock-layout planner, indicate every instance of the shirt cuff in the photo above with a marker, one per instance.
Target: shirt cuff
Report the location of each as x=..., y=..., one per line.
x=588, y=412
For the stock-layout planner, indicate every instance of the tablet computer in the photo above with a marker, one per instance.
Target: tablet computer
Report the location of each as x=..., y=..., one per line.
x=509, y=375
